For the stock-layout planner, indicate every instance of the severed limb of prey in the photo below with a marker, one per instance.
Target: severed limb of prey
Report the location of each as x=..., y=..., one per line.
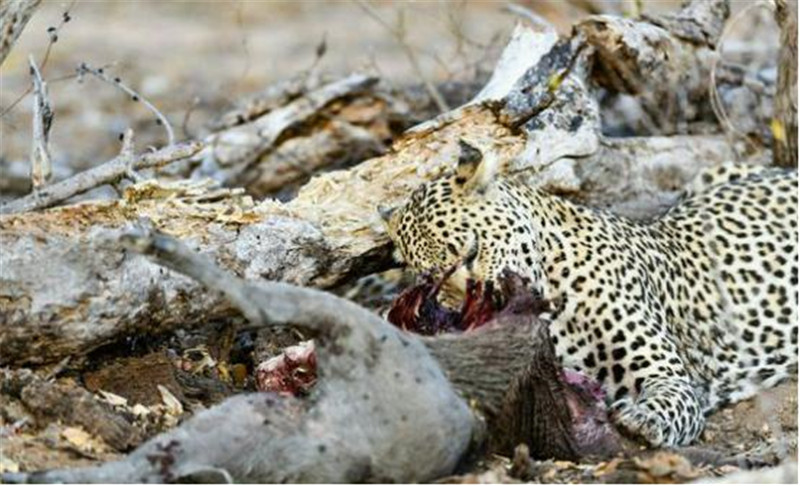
x=382, y=409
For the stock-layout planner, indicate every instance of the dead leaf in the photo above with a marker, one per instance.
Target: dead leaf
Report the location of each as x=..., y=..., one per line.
x=665, y=464
x=607, y=467
x=113, y=399
x=174, y=406
x=140, y=410
x=7, y=465
x=76, y=436
x=82, y=440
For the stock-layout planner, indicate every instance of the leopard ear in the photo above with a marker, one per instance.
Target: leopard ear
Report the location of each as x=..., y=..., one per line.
x=386, y=213
x=474, y=171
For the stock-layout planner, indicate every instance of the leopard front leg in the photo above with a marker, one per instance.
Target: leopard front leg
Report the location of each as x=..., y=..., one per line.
x=667, y=411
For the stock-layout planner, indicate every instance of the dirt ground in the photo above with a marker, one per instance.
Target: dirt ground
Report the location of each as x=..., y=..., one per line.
x=194, y=60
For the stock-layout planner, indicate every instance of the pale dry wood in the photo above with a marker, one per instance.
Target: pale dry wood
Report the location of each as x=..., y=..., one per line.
x=41, y=164
x=347, y=130
x=106, y=173
x=232, y=152
x=668, y=69
x=698, y=21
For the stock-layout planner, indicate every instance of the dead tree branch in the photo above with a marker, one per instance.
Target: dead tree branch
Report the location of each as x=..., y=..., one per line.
x=41, y=165
x=14, y=15
x=135, y=96
x=231, y=154
x=106, y=173
x=784, y=123
x=53, y=32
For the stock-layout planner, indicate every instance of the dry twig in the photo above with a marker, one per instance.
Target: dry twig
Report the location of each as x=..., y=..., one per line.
x=52, y=32
x=107, y=173
x=100, y=73
x=41, y=165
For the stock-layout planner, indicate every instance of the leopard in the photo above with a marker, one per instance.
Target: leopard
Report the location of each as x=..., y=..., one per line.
x=675, y=317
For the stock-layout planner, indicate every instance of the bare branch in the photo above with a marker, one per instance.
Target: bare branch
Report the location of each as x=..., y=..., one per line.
x=14, y=15
x=100, y=73
x=106, y=173
x=41, y=165
x=532, y=17
x=28, y=90
x=54, y=31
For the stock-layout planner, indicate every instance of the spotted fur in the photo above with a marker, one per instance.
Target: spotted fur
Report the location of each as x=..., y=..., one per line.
x=675, y=317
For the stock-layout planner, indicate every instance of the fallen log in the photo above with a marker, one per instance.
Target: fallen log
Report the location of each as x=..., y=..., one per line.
x=278, y=138
x=371, y=376
x=232, y=153
x=546, y=123
x=266, y=438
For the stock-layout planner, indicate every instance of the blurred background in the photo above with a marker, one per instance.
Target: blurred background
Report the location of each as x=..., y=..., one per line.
x=194, y=60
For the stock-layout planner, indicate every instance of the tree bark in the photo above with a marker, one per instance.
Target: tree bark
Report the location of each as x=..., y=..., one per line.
x=784, y=123
x=14, y=15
